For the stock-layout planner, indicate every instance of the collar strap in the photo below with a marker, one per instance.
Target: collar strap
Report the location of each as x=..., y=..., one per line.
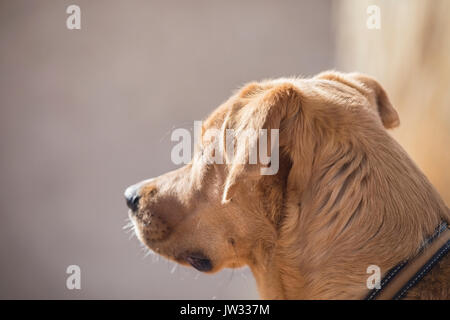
x=400, y=279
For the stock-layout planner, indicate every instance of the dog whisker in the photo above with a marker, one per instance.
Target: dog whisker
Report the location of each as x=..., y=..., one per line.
x=147, y=253
x=155, y=258
x=129, y=225
x=132, y=234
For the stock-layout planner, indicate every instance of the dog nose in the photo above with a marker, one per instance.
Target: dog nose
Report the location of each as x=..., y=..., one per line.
x=132, y=197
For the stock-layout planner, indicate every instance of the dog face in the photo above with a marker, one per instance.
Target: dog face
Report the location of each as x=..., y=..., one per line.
x=211, y=215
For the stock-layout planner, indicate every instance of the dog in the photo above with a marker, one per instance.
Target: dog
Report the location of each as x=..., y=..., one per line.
x=346, y=195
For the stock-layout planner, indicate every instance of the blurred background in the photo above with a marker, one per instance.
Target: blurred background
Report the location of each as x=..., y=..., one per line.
x=85, y=113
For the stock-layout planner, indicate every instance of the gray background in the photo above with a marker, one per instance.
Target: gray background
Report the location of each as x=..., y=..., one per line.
x=86, y=113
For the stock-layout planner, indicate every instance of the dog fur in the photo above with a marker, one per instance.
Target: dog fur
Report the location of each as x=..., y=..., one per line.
x=346, y=195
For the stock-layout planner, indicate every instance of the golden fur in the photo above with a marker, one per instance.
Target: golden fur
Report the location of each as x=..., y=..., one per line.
x=346, y=195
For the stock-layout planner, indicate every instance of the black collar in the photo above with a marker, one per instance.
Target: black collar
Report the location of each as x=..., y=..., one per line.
x=400, y=279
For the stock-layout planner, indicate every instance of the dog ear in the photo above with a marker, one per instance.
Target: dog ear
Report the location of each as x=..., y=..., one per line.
x=388, y=114
x=265, y=108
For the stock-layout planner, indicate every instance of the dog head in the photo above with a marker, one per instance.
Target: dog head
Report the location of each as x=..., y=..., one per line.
x=225, y=210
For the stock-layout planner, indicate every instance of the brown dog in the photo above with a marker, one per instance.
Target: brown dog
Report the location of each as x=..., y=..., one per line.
x=346, y=195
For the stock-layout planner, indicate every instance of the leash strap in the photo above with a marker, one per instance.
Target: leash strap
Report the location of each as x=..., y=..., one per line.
x=400, y=279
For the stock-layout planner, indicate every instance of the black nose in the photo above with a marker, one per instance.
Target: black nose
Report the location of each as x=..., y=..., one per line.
x=132, y=197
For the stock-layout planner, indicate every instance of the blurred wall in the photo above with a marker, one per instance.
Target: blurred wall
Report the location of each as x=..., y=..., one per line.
x=409, y=55
x=86, y=113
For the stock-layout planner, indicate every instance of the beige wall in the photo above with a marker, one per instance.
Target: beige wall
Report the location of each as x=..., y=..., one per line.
x=86, y=113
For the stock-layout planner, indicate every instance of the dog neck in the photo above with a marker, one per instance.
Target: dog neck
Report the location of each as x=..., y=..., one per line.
x=361, y=205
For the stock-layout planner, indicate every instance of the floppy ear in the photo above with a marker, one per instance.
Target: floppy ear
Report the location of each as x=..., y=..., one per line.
x=388, y=114
x=265, y=108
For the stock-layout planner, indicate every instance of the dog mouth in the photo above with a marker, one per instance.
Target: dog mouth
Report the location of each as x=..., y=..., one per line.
x=144, y=227
x=196, y=259
x=199, y=261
